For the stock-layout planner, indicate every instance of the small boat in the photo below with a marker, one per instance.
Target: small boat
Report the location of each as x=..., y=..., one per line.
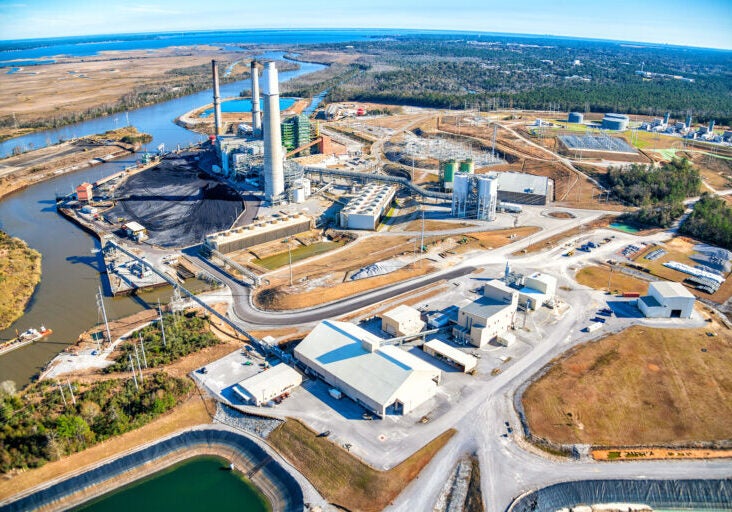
x=24, y=338
x=34, y=334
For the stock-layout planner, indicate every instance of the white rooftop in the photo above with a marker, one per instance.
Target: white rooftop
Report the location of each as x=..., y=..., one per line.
x=277, y=377
x=402, y=313
x=452, y=353
x=338, y=347
x=134, y=226
x=668, y=289
x=521, y=182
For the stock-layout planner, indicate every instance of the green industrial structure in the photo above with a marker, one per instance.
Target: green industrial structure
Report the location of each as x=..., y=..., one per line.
x=296, y=132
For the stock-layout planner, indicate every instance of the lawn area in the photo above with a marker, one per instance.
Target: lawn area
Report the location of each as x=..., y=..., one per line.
x=597, y=277
x=640, y=386
x=343, y=479
x=302, y=252
x=20, y=272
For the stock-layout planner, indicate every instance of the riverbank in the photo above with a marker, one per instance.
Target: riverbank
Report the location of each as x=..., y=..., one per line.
x=20, y=273
x=26, y=169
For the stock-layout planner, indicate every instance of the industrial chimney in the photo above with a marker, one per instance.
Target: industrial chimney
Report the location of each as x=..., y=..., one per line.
x=256, y=114
x=274, y=176
x=216, y=98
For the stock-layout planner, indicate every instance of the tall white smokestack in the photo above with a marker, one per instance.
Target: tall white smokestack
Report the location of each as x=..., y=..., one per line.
x=216, y=99
x=274, y=175
x=256, y=114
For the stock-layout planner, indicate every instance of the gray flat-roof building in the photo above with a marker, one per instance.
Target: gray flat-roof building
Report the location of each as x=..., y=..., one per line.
x=384, y=379
x=522, y=188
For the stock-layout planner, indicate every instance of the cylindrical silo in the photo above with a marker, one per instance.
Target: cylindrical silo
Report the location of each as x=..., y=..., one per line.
x=575, y=117
x=467, y=166
x=448, y=173
x=460, y=194
x=487, y=197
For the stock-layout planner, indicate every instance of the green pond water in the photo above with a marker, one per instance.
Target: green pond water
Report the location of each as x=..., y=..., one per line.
x=624, y=227
x=198, y=484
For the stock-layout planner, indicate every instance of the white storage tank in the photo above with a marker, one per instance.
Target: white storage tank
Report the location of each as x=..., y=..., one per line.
x=460, y=193
x=487, y=198
x=298, y=195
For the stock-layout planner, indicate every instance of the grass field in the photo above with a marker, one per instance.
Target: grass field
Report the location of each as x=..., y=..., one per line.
x=640, y=386
x=302, y=252
x=20, y=272
x=343, y=479
x=597, y=277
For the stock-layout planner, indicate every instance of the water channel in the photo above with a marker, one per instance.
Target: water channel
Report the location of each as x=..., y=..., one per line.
x=65, y=300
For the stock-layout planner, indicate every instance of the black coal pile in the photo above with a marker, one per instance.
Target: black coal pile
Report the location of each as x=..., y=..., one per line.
x=178, y=204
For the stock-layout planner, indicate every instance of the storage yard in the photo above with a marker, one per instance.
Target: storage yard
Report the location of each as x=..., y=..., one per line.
x=176, y=203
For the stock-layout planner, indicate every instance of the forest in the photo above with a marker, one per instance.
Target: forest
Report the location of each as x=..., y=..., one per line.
x=540, y=73
x=51, y=419
x=711, y=222
x=658, y=191
x=184, y=334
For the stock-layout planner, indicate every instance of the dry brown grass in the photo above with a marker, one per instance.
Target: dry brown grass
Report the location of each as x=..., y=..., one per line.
x=597, y=277
x=57, y=89
x=499, y=237
x=660, y=454
x=190, y=413
x=280, y=298
x=20, y=272
x=343, y=479
x=641, y=386
x=435, y=225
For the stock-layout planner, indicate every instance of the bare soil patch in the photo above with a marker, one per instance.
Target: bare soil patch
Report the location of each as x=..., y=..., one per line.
x=604, y=393
x=597, y=277
x=340, y=477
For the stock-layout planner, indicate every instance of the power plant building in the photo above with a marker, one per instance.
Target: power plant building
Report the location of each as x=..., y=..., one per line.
x=484, y=319
x=538, y=289
x=382, y=378
x=366, y=210
x=615, y=122
x=522, y=188
x=274, y=176
x=667, y=300
x=402, y=321
x=84, y=192
x=259, y=232
x=296, y=132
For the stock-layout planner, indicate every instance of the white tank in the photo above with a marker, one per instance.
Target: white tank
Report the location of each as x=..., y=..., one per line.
x=487, y=197
x=298, y=195
x=461, y=186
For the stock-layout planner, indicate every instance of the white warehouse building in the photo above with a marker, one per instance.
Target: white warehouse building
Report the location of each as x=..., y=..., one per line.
x=402, y=321
x=667, y=300
x=488, y=317
x=268, y=384
x=384, y=379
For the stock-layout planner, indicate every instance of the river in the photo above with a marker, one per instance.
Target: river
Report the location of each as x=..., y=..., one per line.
x=201, y=483
x=65, y=300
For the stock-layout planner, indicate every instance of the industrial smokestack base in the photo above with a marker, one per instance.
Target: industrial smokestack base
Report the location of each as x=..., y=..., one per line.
x=216, y=98
x=256, y=113
x=274, y=175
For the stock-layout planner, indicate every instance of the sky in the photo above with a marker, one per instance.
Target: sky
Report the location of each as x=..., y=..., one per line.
x=705, y=23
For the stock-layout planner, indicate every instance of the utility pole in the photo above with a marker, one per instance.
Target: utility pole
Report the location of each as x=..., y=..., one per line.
x=162, y=324
x=139, y=366
x=134, y=376
x=61, y=390
x=71, y=391
x=104, y=313
x=142, y=347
